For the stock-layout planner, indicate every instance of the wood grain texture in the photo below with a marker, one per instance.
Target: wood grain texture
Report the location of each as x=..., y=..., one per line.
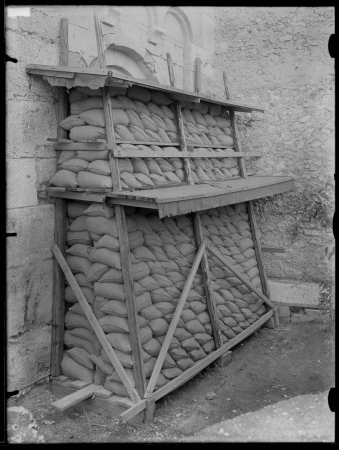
x=99, y=40
x=197, y=75
x=95, y=325
x=174, y=321
x=211, y=306
x=62, y=111
x=58, y=304
x=183, y=146
x=170, y=69
x=180, y=94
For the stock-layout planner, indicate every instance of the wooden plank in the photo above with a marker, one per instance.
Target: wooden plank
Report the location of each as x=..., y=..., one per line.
x=177, y=154
x=126, y=265
x=149, y=413
x=170, y=69
x=95, y=325
x=77, y=384
x=58, y=305
x=211, y=306
x=80, y=196
x=103, y=393
x=74, y=398
x=272, y=250
x=183, y=146
x=40, y=69
x=198, y=367
x=81, y=146
x=62, y=111
x=229, y=266
x=197, y=73
x=174, y=321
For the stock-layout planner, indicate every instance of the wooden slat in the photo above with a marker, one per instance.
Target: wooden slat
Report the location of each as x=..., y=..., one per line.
x=230, y=267
x=95, y=325
x=81, y=196
x=81, y=146
x=170, y=69
x=197, y=73
x=73, y=399
x=198, y=367
x=62, y=93
x=183, y=146
x=235, y=130
x=58, y=305
x=126, y=266
x=39, y=69
x=174, y=321
x=211, y=306
x=177, y=154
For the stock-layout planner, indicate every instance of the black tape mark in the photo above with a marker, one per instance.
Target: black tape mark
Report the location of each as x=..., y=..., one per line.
x=332, y=46
x=13, y=60
x=332, y=399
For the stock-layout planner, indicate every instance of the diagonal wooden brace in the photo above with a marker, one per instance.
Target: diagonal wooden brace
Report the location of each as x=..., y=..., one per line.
x=95, y=325
x=174, y=322
x=229, y=266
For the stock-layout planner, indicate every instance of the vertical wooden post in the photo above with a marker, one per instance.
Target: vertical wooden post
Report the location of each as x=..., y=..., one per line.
x=197, y=73
x=250, y=209
x=138, y=363
x=58, y=304
x=170, y=69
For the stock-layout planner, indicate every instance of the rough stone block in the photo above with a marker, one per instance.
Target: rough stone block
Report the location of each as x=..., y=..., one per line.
x=314, y=313
x=35, y=235
x=46, y=168
x=21, y=183
x=28, y=358
x=284, y=311
x=295, y=318
x=284, y=319
x=294, y=293
x=29, y=296
x=224, y=360
x=28, y=124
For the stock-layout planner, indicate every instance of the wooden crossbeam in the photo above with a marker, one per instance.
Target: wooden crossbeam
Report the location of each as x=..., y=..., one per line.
x=191, y=372
x=235, y=272
x=95, y=325
x=126, y=265
x=174, y=321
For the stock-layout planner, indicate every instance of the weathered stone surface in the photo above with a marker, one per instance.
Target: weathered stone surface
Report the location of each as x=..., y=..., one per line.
x=284, y=311
x=35, y=235
x=29, y=296
x=21, y=183
x=28, y=358
x=294, y=292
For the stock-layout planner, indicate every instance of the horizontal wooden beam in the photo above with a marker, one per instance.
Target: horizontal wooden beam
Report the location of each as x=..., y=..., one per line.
x=272, y=250
x=180, y=94
x=198, y=367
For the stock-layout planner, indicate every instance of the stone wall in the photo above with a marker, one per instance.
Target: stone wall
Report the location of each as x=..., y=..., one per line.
x=278, y=58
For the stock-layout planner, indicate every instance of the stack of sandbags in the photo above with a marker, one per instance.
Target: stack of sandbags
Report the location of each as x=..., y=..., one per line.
x=140, y=116
x=228, y=230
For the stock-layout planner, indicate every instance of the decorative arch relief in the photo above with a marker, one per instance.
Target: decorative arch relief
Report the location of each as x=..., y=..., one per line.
x=112, y=16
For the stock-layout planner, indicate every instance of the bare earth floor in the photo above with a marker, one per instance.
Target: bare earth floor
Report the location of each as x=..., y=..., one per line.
x=248, y=400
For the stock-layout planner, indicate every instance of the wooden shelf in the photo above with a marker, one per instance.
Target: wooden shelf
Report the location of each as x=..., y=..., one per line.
x=183, y=200
x=64, y=75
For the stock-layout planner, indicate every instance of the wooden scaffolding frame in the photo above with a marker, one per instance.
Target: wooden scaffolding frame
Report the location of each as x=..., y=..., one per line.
x=143, y=397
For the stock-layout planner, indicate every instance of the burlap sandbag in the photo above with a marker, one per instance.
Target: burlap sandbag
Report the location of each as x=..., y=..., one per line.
x=81, y=356
x=78, y=264
x=72, y=369
x=73, y=320
x=96, y=271
x=71, y=297
x=71, y=122
x=111, y=291
x=64, y=178
x=77, y=309
x=105, y=256
x=76, y=95
x=99, y=167
x=126, y=102
x=71, y=340
x=138, y=93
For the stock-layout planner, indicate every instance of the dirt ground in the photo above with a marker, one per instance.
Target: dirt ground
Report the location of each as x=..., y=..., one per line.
x=270, y=366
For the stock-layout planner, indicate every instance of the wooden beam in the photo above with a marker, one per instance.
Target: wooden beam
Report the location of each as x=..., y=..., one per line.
x=272, y=250
x=62, y=92
x=74, y=398
x=230, y=267
x=198, y=367
x=95, y=325
x=126, y=265
x=211, y=306
x=183, y=146
x=236, y=136
x=170, y=69
x=197, y=73
x=58, y=305
x=174, y=321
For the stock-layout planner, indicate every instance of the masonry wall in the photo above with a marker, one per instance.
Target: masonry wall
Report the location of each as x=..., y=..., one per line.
x=278, y=58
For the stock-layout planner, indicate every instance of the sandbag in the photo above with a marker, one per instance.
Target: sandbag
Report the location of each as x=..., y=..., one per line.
x=126, y=102
x=185, y=363
x=72, y=369
x=111, y=291
x=71, y=298
x=73, y=320
x=101, y=225
x=194, y=326
x=159, y=326
x=72, y=121
x=91, y=180
x=71, y=341
x=158, y=98
x=64, y=178
x=138, y=93
x=81, y=356
x=142, y=300
x=78, y=264
x=189, y=344
x=197, y=354
x=75, y=95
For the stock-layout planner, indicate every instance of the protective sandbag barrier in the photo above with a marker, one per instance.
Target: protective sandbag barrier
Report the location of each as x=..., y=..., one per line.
x=144, y=116
x=162, y=252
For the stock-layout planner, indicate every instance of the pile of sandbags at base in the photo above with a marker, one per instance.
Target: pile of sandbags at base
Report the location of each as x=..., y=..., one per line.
x=142, y=116
x=227, y=228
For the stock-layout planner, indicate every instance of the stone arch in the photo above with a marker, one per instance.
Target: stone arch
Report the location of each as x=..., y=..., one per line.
x=126, y=56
